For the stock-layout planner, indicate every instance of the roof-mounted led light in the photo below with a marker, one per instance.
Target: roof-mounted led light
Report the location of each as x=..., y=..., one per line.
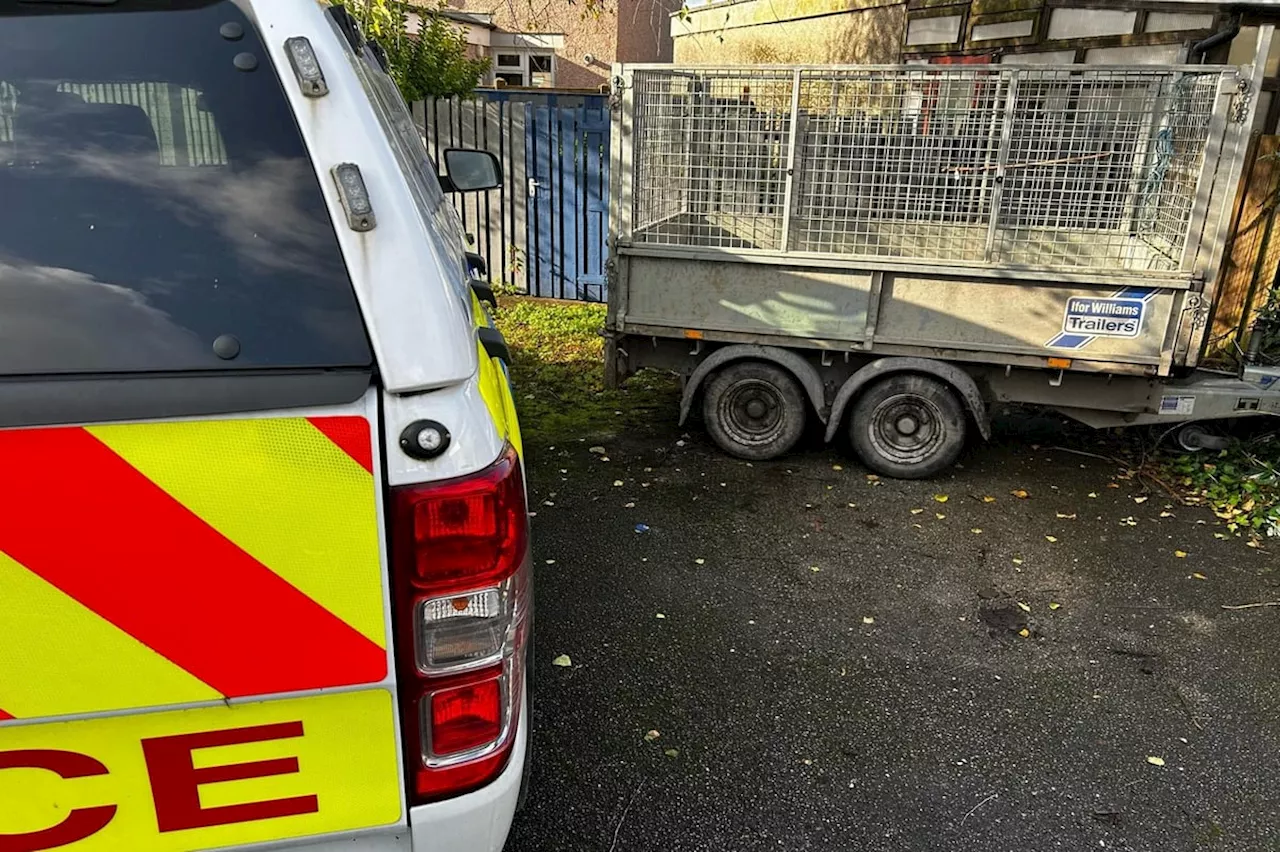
x=306, y=67
x=354, y=196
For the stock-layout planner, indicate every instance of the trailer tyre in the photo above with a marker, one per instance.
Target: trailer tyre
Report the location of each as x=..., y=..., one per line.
x=754, y=410
x=908, y=426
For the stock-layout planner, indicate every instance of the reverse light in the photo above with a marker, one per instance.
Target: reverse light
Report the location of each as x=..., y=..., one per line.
x=463, y=632
x=460, y=561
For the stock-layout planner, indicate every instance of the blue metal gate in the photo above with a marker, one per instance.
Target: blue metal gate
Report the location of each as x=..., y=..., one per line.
x=548, y=232
x=568, y=201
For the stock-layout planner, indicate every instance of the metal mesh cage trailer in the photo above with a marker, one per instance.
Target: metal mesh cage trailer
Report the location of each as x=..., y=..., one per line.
x=912, y=206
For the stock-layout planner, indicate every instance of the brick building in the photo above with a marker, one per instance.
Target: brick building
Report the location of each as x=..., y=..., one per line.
x=893, y=31
x=558, y=44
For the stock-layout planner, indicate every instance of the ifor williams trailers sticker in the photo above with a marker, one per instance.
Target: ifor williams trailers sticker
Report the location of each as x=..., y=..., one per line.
x=1119, y=315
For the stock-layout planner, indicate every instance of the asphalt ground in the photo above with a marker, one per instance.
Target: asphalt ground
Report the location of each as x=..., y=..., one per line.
x=833, y=662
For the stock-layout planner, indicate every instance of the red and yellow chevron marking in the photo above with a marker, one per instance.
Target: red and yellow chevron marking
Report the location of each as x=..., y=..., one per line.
x=153, y=564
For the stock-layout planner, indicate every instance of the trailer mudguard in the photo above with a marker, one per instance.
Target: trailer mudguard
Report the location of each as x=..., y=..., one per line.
x=954, y=376
x=804, y=372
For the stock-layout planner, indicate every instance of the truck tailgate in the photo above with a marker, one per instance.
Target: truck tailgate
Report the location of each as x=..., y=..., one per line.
x=194, y=633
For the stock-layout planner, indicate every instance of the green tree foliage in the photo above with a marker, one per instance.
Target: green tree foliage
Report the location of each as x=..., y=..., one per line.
x=430, y=63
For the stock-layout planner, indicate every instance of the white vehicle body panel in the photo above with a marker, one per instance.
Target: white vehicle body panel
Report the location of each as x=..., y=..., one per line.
x=405, y=271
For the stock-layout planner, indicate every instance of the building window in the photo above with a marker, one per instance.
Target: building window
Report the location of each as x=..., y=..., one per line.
x=933, y=30
x=525, y=68
x=1090, y=23
x=1007, y=29
x=540, y=70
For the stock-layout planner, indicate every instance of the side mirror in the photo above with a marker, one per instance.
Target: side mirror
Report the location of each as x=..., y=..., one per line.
x=467, y=170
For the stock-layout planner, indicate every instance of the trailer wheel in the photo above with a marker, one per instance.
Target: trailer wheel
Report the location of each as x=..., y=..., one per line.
x=754, y=410
x=908, y=426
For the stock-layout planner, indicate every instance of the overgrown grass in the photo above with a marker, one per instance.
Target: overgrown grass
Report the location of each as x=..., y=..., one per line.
x=558, y=373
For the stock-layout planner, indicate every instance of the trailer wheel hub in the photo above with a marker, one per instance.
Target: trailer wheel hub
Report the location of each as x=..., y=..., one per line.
x=752, y=411
x=906, y=428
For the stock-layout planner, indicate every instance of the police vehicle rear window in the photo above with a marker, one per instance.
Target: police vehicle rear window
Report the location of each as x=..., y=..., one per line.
x=158, y=209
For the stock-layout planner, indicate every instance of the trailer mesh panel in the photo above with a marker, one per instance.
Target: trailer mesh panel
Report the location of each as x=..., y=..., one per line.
x=1066, y=168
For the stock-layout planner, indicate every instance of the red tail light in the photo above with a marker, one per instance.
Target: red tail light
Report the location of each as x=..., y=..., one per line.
x=466, y=717
x=461, y=575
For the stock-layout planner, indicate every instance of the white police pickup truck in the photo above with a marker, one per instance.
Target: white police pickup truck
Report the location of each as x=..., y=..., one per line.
x=264, y=574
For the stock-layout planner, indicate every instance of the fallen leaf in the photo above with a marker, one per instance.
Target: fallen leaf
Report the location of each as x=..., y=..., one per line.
x=1166, y=514
x=1050, y=539
x=597, y=450
x=1155, y=761
x=1093, y=494
x=1024, y=633
x=1020, y=494
x=853, y=505
x=617, y=483
x=871, y=477
x=672, y=752
x=547, y=503
x=866, y=619
x=836, y=467
x=1199, y=576
x=1017, y=561
x=1253, y=542
x=1070, y=517
x=1024, y=607
x=563, y=661
x=628, y=505
x=814, y=568
x=1221, y=536
x=1141, y=500
x=699, y=562
x=1181, y=554
x=660, y=615
x=941, y=498
x=1055, y=605
x=651, y=736
x=988, y=499
x=551, y=562
x=1113, y=485
x=976, y=530
x=916, y=511
x=604, y=458
x=940, y=516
